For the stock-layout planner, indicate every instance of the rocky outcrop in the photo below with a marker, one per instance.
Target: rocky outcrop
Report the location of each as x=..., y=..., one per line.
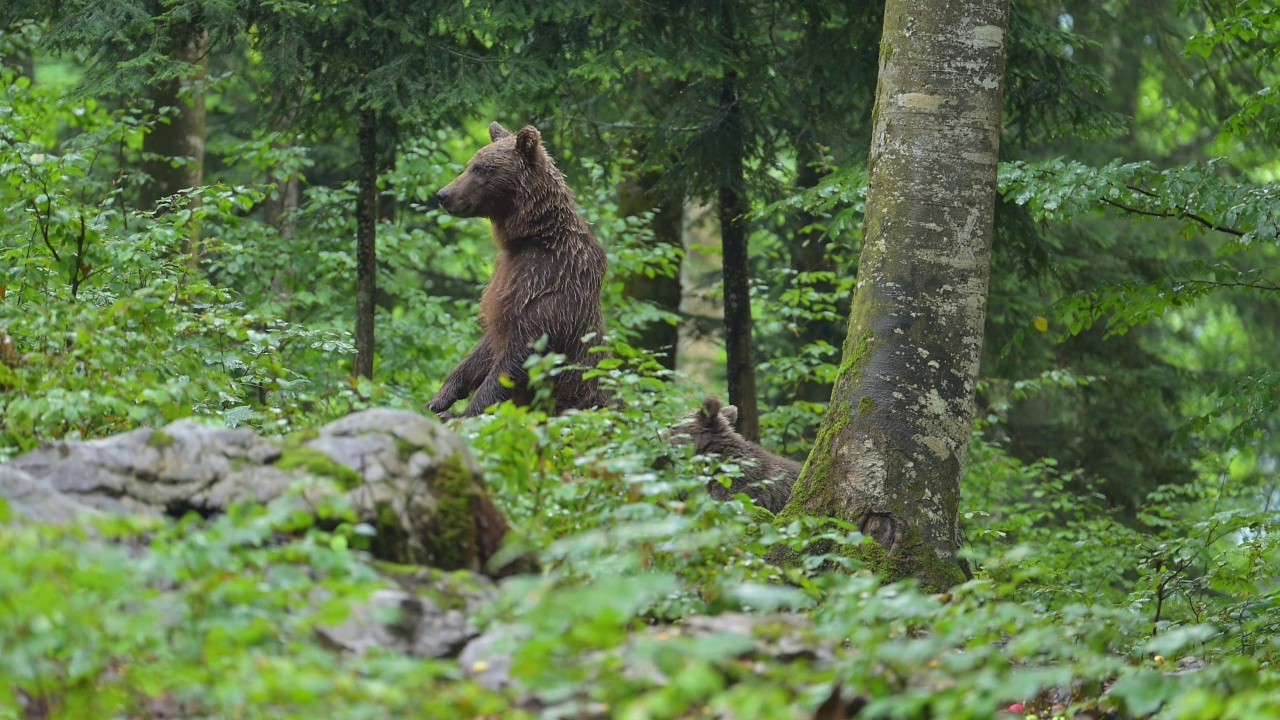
x=428, y=615
x=487, y=659
x=406, y=475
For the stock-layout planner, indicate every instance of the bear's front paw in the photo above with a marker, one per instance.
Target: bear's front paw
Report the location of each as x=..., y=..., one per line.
x=441, y=410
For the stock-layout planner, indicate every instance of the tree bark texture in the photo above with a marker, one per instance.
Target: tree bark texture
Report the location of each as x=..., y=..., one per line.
x=635, y=196
x=733, y=209
x=173, y=152
x=366, y=242
x=891, y=450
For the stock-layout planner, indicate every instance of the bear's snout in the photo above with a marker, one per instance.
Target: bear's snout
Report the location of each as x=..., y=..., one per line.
x=442, y=198
x=458, y=199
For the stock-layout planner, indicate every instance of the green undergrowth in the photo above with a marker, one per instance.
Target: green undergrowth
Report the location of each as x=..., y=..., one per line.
x=1068, y=606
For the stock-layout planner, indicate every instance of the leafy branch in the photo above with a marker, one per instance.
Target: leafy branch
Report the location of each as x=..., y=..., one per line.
x=1180, y=214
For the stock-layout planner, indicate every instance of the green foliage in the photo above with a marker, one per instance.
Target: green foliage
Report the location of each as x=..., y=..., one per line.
x=215, y=616
x=114, y=327
x=1070, y=606
x=1197, y=198
x=1247, y=33
x=1047, y=94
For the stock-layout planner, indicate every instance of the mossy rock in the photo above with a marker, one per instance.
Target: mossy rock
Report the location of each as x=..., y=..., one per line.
x=160, y=439
x=318, y=464
x=404, y=474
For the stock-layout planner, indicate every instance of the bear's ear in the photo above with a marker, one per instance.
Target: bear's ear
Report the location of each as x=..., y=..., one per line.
x=497, y=132
x=710, y=409
x=730, y=414
x=528, y=141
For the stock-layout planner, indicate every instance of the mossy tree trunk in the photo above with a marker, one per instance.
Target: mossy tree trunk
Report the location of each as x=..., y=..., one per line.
x=891, y=450
x=173, y=151
x=366, y=241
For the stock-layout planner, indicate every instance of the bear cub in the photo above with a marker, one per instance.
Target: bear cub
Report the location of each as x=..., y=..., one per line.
x=546, y=281
x=766, y=478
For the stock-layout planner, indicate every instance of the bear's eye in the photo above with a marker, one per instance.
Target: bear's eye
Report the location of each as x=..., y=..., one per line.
x=482, y=168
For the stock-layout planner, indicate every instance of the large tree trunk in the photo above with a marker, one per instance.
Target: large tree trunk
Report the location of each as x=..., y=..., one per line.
x=891, y=451
x=733, y=208
x=173, y=152
x=366, y=242
x=635, y=196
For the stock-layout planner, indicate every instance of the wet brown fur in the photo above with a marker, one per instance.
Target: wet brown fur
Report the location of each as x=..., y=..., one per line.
x=767, y=478
x=546, y=280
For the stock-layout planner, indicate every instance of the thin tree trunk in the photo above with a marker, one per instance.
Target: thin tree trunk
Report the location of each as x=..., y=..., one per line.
x=366, y=242
x=808, y=255
x=279, y=209
x=733, y=208
x=173, y=152
x=278, y=212
x=634, y=197
x=890, y=453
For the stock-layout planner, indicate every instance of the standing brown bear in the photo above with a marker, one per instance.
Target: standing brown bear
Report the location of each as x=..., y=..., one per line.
x=546, y=281
x=766, y=478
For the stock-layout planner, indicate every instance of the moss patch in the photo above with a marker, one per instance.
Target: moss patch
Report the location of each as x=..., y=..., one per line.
x=391, y=543
x=773, y=630
x=400, y=572
x=301, y=437
x=913, y=558
x=317, y=463
x=815, y=478
x=758, y=517
x=453, y=542
x=160, y=439
x=404, y=448
x=759, y=514
x=866, y=406
x=451, y=590
x=294, y=454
